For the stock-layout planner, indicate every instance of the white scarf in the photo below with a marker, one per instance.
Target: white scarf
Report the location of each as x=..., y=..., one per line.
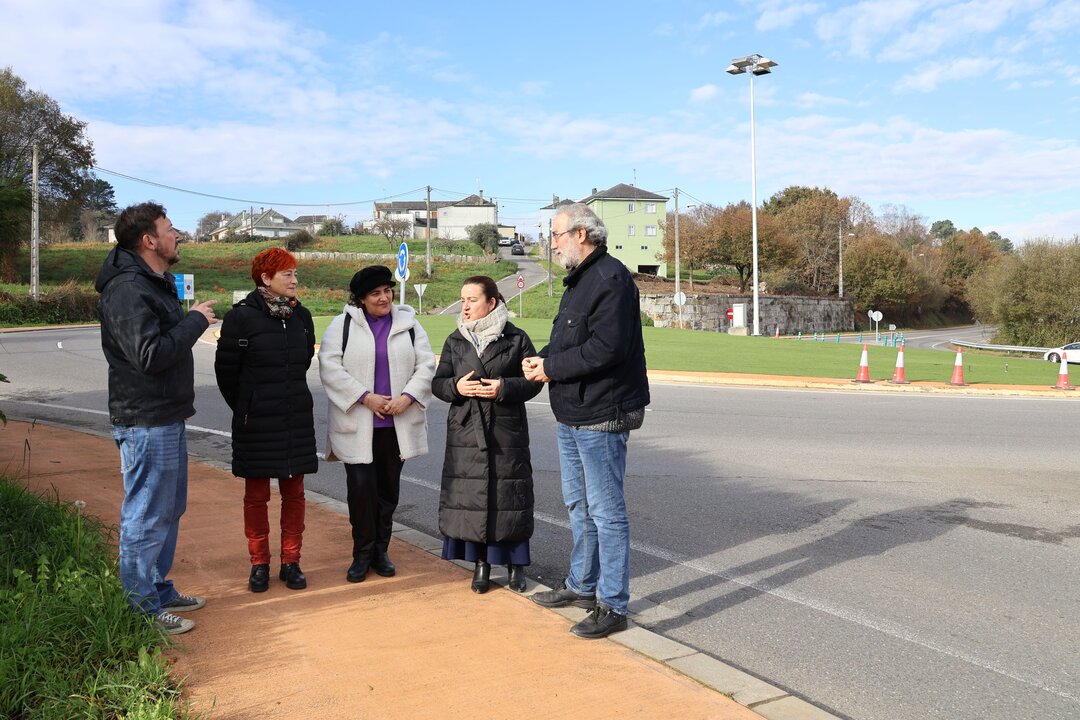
x=486, y=330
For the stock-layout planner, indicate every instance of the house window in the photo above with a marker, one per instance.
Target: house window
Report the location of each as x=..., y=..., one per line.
x=630, y=230
x=650, y=230
x=618, y=247
x=644, y=247
x=630, y=207
x=650, y=208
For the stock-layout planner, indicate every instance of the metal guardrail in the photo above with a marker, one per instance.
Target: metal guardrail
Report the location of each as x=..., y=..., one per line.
x=1003, y=348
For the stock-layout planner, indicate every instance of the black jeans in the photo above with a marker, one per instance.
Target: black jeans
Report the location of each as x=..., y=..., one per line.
x=373, y=491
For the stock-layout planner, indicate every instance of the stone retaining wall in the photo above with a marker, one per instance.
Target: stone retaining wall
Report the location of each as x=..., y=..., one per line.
x=793, y=313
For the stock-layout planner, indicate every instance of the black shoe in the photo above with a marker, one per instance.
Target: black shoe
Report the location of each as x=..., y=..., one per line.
x=600, y=623
x=562, y=597
x=293, y=577
x=381, y=564
x=516, y=581
x=357, y=572
x=259, y=580
x=481, y=579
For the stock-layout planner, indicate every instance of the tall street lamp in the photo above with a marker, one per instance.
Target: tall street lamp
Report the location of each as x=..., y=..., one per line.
x=754, y=65
x=840, y=254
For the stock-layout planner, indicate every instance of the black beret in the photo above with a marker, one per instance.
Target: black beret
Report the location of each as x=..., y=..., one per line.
x=369, y=278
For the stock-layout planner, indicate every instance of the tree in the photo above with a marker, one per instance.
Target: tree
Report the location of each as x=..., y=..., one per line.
x=878, y=274
x=1002, y=244
x=209, y=222
x=1031, y=294
x=965, y=253
x=486, y=235
x=15, y=206
x=395, y=230
x=733, y=242
x=65, y=154
x=903, y=226
x=694, y=238
x=813, y=218
x=942, y=229
x=333, y=226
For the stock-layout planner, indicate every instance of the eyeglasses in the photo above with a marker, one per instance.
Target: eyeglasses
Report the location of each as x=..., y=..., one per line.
x=555, y=236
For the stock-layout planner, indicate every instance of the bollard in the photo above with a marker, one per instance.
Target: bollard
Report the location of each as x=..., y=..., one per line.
x=860, y=337
x=799, y=337
x=837, y=337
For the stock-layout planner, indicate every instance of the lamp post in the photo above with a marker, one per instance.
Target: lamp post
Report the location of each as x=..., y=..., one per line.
x=754, y=65
x=840, y=254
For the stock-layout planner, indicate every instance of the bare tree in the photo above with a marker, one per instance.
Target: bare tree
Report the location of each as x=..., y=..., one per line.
x=395, y=230
x=210, y=222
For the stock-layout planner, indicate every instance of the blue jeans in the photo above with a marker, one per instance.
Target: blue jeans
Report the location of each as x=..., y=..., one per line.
x=154, y=463
x=593, y=465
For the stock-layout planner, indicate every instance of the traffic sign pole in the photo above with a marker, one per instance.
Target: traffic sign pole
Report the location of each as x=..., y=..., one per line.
x=521, y=294
x=402, y=270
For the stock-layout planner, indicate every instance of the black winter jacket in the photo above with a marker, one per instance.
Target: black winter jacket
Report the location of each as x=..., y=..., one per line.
x=487, y=492
x=596, y=355
x=147, y=340
x=261, y=368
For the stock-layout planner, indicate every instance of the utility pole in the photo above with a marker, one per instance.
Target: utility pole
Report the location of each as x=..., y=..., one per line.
x=678, y=290
x=427, y=233
x=554, y=209
x=35, y=237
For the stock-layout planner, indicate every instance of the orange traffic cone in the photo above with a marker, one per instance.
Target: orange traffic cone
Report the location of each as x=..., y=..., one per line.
x=1063, y=374
x=864, y=368
x=898, y=374
x=958, y=369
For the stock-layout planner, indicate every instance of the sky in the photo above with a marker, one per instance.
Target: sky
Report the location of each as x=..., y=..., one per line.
x=967, y=111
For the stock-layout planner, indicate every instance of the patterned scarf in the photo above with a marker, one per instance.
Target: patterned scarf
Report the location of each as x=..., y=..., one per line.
x=280, y=307
x=486, y=330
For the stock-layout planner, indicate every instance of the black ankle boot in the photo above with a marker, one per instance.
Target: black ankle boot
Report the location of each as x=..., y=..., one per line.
x=259, y=580
x=516, y=580
x=481, y=579
x=293, y=577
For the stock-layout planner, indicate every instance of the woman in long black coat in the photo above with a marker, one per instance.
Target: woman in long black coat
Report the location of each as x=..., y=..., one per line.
x=263, y=355
x=486, y=503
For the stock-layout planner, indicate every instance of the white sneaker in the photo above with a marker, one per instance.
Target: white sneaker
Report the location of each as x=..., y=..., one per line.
x=173, y=624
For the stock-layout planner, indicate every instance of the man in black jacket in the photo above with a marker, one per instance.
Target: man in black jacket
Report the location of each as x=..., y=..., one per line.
x=595, y=367
x=147, y=341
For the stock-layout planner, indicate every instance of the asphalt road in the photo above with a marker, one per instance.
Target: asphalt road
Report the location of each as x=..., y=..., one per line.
x=884, y=556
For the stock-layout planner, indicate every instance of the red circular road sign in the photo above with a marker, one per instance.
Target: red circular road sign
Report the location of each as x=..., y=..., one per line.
x=521, y=281
x=730, y=313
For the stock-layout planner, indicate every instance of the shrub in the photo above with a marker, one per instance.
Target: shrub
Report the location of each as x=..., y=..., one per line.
x=69, y=303
x=299, y=240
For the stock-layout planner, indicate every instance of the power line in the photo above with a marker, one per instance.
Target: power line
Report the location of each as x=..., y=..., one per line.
x=252, y=202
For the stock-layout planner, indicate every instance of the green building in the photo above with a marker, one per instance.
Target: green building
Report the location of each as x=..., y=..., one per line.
x=635, y=223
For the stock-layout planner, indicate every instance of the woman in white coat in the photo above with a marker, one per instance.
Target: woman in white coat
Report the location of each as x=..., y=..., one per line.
x=376, y=365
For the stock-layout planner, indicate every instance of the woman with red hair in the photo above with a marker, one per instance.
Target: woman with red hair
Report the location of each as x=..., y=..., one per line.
x=266, y=345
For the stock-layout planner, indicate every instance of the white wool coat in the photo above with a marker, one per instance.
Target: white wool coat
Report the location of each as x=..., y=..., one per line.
x=346, y=378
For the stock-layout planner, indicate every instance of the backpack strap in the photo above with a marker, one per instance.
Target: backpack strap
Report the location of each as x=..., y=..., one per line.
x=345, y=333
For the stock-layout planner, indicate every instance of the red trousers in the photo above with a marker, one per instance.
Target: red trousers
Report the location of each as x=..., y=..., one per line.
x=257, y=522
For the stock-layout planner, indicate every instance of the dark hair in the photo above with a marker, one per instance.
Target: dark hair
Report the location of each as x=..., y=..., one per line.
x=491, y=290
x=136, y=221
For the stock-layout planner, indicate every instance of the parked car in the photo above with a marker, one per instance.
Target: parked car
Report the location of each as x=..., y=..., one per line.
x=1072, y=350
x=505, y=242
x=517, y=249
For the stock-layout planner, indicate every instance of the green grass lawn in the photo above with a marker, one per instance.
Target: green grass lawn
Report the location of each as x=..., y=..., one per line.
x=700, y=351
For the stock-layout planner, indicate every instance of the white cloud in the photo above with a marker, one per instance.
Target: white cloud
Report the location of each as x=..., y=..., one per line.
x=1057, y=19
x=862, y=25
x=712, y=19
x=814, y=100
x=703, y=93
x=928, y=76
x=535, y=88
x=954, y=23
x=780, y=15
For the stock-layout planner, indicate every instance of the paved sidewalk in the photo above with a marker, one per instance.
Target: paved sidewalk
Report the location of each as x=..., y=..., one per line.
x=418, y=645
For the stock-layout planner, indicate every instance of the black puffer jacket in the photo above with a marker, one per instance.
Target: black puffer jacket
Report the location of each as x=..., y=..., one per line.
x=147, y=340
x=261, y=369
x=487, y=492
